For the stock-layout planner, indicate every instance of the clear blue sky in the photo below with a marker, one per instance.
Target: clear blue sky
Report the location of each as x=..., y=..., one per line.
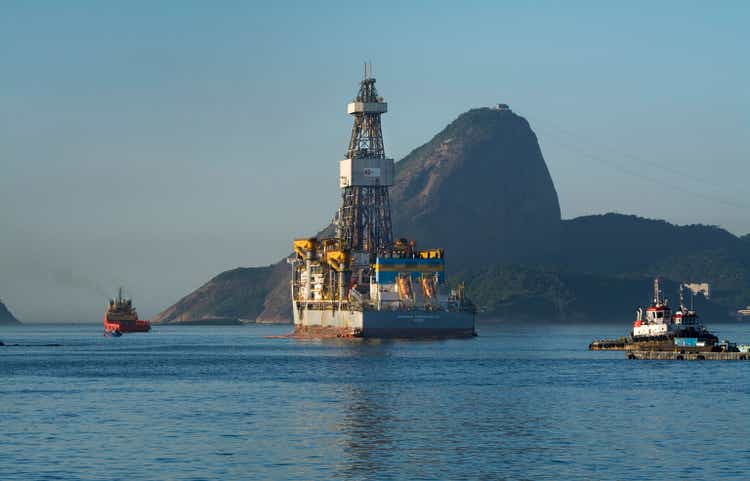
x=155, y=144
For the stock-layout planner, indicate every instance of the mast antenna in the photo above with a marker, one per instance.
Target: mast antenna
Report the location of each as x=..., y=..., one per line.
x=692, y=296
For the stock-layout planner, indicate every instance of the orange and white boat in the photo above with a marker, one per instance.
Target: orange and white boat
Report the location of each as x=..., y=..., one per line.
x=121, y=317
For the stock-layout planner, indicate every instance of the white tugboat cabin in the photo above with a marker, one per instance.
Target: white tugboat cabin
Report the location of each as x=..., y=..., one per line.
x=658, y=320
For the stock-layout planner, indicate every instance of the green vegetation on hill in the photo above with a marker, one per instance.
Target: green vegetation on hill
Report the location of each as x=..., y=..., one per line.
x=517, y=292
x=605, y=267
x=726, y=270
x=236, y=294
x=631, y=247
x=538, y=293
x=616, y=243
x=226, y=303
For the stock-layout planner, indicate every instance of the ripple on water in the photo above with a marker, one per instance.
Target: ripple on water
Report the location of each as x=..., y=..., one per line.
x=227, y=403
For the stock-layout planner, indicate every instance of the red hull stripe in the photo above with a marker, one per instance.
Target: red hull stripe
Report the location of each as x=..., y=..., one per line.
x=127, y=326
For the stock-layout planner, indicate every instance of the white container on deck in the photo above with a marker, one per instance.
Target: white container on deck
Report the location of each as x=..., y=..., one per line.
x=367, y=171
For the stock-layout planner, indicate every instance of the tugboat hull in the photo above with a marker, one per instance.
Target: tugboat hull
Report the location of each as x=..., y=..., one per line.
x=127, y=326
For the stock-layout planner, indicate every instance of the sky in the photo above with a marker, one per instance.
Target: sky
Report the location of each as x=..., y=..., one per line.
x=155, y=144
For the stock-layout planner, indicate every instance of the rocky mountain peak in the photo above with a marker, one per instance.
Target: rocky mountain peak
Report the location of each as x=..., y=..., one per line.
x=479, y=188
x=482, y=181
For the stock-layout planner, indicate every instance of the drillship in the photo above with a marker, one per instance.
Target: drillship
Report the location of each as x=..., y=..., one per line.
x=121, y=317
x=362, y=283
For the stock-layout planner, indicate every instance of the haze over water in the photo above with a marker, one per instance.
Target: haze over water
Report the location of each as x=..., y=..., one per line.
x=156, y=144
x=521, y=401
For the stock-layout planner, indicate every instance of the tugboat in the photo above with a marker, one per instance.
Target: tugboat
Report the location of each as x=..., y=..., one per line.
x=660, y=330
x=121, y=317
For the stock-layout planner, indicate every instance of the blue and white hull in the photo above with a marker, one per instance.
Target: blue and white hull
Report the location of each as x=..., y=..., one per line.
x=417, y=323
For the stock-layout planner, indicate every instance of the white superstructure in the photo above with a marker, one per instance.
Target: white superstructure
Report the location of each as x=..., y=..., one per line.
x=659, y=320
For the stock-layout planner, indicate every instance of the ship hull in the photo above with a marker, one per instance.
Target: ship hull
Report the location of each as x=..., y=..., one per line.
x=700, y=343
x=126, y=326
x=384, y=324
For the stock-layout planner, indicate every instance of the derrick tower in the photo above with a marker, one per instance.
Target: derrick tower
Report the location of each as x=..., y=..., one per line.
x=364, y=221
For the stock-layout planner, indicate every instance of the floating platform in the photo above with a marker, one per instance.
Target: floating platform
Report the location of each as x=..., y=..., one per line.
x=688, y=356
x=662, y=344
x=608, y=344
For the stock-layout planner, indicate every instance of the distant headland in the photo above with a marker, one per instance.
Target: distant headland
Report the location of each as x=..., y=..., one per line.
x=6, y=317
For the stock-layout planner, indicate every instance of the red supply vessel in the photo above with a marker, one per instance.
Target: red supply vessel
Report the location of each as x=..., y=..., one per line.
x=121, y=317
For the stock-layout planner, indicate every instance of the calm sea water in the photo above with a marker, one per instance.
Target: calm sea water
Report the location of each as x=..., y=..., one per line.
x=517, y=402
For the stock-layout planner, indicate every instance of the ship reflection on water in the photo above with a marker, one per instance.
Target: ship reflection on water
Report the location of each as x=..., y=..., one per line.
x=367, y=427
x=409, y=424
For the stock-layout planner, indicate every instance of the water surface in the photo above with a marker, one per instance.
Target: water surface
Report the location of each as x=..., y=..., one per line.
x=517, y=402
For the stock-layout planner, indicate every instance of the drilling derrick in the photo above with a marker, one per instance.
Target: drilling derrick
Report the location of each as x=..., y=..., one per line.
x=364, y=222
